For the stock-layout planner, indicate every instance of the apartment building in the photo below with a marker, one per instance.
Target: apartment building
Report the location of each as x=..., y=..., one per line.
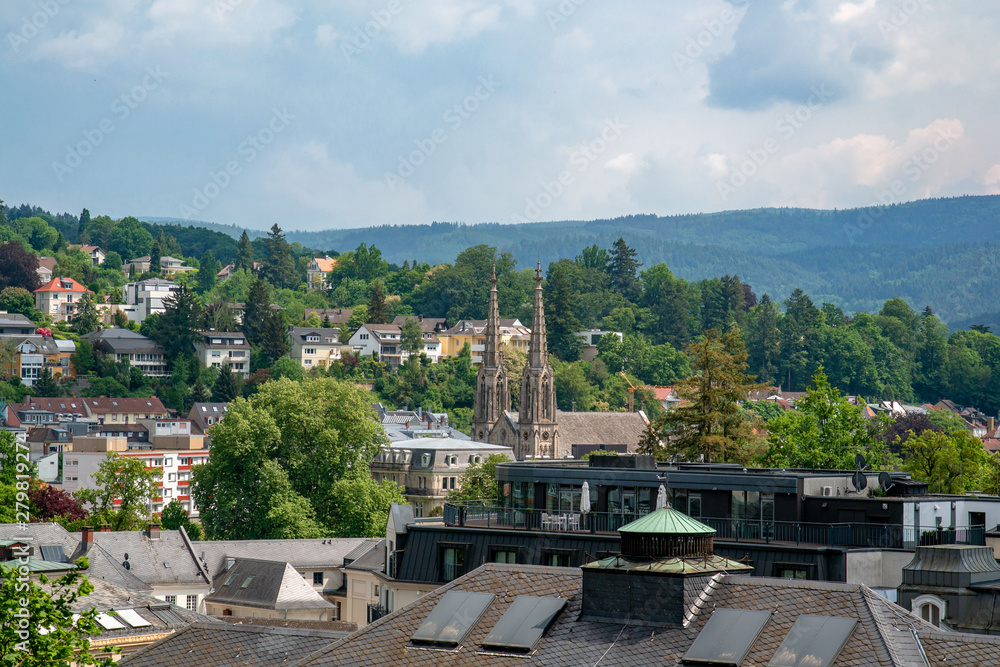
x=215, y=348
x=145, y=297
x=59, y=298
x=131, y=346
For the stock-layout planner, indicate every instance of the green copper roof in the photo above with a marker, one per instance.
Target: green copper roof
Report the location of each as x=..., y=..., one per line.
x=693, y=565
x=667, y=521
x=36, y=565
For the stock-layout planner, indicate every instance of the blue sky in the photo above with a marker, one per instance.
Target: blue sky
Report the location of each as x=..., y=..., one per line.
x=318, y=115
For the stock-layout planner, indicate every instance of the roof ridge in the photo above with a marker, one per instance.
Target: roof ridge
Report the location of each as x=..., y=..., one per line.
x=713, y=583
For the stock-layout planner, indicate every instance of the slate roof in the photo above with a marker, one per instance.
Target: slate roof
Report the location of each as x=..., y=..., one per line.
x=298, y=334
x=372, y=560
x=601, y=428
x=265, y=584
x=312, y=554
x=886, y=634
x=199, y=411
x=146, y=557
x=123, y=341
x=42, y=534
x=336, y=315
x=224, y=644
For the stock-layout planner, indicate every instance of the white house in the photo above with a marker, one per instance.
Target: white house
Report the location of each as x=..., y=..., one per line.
x=146, y=297
x=214, y=348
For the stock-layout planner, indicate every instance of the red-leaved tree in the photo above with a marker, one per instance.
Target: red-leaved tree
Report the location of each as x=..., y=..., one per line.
x=51, y=502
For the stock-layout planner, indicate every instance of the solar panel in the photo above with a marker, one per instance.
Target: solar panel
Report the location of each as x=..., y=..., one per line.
x=523, y=624
x=727, y=637
x=166, y=614
x=131, y=617
x=452, y=618
x=108, y=622
x=54, y=554
x=814, y=641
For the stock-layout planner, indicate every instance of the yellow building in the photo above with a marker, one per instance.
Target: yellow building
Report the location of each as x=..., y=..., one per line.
x=473, y=333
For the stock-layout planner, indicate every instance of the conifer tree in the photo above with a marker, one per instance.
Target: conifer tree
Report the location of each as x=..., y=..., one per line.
x=208, y=268
x=257, y=306
x=279, y=266
x=228, y=385
x=244, y=254
x=376, y=305
x=274, y=336
x=46, y=385
x=623, y=268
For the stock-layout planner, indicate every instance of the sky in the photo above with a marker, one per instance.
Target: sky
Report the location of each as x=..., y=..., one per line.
x=318, y=114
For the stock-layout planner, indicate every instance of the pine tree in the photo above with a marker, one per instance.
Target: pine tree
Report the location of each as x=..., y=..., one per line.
x=208, y=268
x=257, y=306
x=86, y=319
x=199, y=392
x=279, y=266
x=406, y=265
x=46, y=385
x=763, y=340
x=709, y=424
x=177, y=328
x=623, y=269
x=83, y=227
x=154, y=258
x=561, y=322
x=228, y=385
x=274, y=336
x=376, y=305
x=244, y=254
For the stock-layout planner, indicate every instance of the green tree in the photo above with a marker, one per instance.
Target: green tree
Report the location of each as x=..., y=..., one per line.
x=51, y=604
x=479, y=482
x=176, y=330
x=376, y=304
x=243, y=492
x=46, y=385
x=83, y=357
x=244, y=254
x=710, y=424
x=274, y=336
x=361, y=505
x=561, y=323
x=227, y=385
x=208, y=268
x=87, y=318
x=124, y=479
x=622, y=268
x=278, y=264
x=763, y=340
x=255, y=310
x=573, y=391
x=155, y=265
x=826, y=432
x=411, y=339
x=130, y=239
x=18, y=300
x=950, y=462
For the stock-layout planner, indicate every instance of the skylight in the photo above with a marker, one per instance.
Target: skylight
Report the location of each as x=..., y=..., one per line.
x=131, y=617
x=523, y=624
x=246, y=582
x=814, y=641
x=452, y=619
x=229, y=580
x=108, y=622
x=727, y=637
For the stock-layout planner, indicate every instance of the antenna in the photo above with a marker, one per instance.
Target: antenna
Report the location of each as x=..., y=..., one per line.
x=859, y=479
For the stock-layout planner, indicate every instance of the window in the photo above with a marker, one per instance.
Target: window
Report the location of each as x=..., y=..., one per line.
x=930, y=608
x=557, y=557
x=504, y=555
x=317, y=578
x=453, y=482
x=791, y=571
x=310, y=350
x=172, y=599
x=192, y=603
x=931, y=614
x=452, y=562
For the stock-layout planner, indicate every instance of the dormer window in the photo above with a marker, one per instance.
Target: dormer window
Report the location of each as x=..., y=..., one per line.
x=312, y=339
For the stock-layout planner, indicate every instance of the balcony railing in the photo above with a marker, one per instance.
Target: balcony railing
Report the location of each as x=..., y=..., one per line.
x=487, y=515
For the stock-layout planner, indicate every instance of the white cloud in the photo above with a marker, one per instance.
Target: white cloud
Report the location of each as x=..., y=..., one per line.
x=848, y=11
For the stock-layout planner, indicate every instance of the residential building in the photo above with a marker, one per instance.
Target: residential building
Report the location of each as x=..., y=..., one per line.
x=131, y=346
x=214, y=348
x=315, y=347
x=954, y=586
x=96, y=254
x=169, y=266
x=386, y=339
x=34, y=353
x=364, y=591
x=428, y=469
x=539, y=429
x=589, y=340
x=412, y=424
x=122, y=410
x=206, y=415
x=173, y=434
x=317, y=270
x=254, y=588
x=142, y=299
x=15, y=324
x=46, y=267
x=335, y=315
x=236, y=309
x=228, y=270
x=430, y=327
x=59, y=298
x=473, y=333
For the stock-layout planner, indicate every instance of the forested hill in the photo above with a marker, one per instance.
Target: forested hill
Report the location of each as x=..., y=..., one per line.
x=937, y=252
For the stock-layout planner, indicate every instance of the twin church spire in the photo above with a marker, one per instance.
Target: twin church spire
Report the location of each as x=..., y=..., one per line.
x=536, y=427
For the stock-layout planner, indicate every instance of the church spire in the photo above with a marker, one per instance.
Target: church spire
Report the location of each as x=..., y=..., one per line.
x=538, y=433
x=538, y=355
x=492, y=396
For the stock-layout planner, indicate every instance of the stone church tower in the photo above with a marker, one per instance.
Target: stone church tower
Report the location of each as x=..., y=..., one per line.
x=492, y=397
x=537, y=428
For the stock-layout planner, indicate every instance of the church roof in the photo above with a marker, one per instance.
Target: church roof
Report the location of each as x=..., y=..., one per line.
x=601, y=428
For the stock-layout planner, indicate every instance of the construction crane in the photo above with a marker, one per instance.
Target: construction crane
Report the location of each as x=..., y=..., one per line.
x=632, y=389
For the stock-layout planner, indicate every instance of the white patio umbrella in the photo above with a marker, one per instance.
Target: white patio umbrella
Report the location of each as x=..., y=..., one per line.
x=661, y=497
x=585, y=497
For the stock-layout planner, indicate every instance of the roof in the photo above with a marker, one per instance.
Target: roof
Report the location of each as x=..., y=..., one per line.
x=15, y=320
x=201, y=411
x=151, y=405
x=48, y=263
x=265, y=584
x=447, y=444
x=300, y=334
x=372, y=560
x=122, y=340
x=427, y=324
x=325, y=264
x=667, y=521
x=227, y=644
x=303, y=554
x=56, y=285
x=601, y=428
x=165, y=561
x=336, y=315
x=885, y=633
x=64, y=405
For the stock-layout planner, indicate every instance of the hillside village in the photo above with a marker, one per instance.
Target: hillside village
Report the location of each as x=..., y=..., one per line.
x=288, y=452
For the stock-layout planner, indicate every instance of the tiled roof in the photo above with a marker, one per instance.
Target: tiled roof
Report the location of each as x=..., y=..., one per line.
x=885, y=634
x=47, y=262
x=56, y=285
x=325, y=264
x=150, y=405
x=601, y=428
x=165, y=561
x=302, y=554
x=225, y=644
x=66, y=405
x=336, y=315
x=123, y=340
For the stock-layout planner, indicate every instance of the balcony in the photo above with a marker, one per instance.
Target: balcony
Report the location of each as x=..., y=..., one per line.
x=868, y=535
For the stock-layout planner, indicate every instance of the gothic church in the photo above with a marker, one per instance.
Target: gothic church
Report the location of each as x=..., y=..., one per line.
x=539, y=429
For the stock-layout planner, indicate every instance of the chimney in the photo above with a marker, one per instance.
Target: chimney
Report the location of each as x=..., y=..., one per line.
x=990, y=424
x=153, y=531
x=87, y=533
x=104, y=528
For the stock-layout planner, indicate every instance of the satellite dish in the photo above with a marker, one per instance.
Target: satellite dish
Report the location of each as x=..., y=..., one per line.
x=128, y=565
x=885, y=481
x=859, y=461
x=126, y=556
x=860, y=480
